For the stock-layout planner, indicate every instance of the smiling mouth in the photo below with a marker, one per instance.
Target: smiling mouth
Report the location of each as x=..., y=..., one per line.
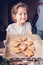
x=23, y=19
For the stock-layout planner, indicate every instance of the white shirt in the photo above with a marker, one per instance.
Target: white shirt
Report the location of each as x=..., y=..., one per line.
x=17, y=29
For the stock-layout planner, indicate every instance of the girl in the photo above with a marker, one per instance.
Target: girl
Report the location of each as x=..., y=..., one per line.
x=19, y=15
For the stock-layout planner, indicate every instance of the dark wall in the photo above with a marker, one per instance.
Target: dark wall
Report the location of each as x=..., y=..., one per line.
x=4, y=11
x=3, y=18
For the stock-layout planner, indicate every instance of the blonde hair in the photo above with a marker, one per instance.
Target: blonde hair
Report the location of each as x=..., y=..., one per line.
x=15, y=8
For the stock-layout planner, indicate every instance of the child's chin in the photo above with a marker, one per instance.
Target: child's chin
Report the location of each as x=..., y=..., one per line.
x=22, y=23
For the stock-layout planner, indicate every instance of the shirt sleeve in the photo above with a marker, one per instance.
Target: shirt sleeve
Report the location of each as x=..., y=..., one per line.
x=8, y=29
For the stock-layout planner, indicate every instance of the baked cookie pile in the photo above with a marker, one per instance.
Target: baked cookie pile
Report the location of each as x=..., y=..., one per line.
x=22, y=45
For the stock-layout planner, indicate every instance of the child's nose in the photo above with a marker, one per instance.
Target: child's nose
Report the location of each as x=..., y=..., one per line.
x=23, y=15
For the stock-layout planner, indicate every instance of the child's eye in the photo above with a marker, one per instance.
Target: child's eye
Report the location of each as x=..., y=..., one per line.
x=25, y=13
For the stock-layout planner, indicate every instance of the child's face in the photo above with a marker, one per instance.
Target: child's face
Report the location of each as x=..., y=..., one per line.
x=21, y=15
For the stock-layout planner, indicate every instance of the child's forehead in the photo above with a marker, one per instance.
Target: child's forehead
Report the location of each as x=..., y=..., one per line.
x=22, y=9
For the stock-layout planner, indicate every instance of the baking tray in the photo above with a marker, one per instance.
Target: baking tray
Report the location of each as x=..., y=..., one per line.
x=36, y=41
